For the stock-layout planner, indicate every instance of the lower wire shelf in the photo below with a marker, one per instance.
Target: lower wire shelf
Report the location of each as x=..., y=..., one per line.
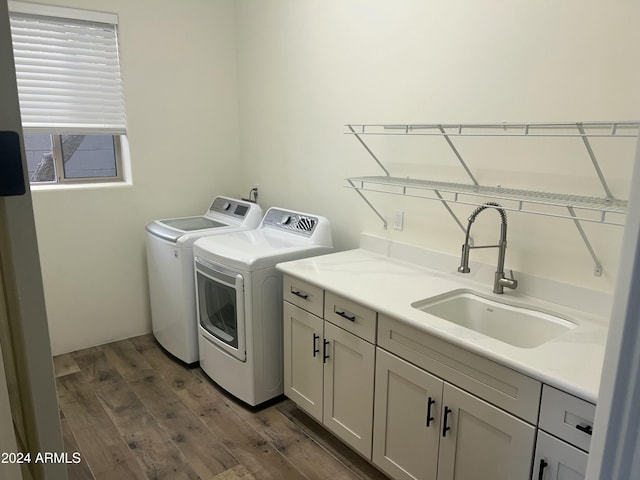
x=574, y=207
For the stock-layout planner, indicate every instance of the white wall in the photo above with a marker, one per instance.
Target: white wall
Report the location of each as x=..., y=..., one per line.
x=307, y=67
x=179, y=74
x=304, y=69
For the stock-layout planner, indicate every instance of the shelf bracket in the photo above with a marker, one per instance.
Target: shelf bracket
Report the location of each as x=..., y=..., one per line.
x=598, y=266
x=384, y=221
x=452, y=213
x=594, y=160
x=366, y=147
x=457, y=154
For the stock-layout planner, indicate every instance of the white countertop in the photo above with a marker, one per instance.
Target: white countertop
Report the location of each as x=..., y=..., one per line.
x=571, y=362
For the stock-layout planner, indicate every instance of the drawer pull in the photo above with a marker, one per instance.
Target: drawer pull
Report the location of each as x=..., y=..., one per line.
x=543, y=465
x=346, y=316
x=430, y=404
x=445, y=427
x=585, y=429
x=298, y=293
x=315, y=347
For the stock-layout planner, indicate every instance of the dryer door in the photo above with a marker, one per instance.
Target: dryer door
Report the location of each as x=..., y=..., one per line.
x=221, y=312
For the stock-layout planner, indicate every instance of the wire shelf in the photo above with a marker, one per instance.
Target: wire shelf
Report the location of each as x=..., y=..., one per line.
x=622, y=129
x=607, y=210
x=526, y=201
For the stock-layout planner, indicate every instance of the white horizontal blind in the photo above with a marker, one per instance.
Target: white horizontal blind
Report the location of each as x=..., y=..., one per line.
x=68, y=75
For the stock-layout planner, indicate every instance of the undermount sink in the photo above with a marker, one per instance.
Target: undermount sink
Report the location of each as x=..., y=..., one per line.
x=518, y=326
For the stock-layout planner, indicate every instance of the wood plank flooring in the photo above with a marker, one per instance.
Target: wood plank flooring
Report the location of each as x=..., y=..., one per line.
x=134, y=412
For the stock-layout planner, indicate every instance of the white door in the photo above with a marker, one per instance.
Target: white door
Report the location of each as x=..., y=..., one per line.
x=480, y=441
x=406, y=431
x=24, y=333
x=557, y=460
x=303, y=359
x=348, y=387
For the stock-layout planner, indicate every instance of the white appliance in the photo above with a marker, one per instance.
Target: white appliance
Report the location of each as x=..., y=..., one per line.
x=170, y=263
x=239, y=300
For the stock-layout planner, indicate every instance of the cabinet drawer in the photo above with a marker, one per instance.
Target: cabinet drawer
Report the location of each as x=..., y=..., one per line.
x=303, y=294
x=495, y=383
x=567, y=417
x=351, y=316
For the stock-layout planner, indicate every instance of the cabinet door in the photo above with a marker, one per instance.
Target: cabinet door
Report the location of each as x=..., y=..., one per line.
x=557, y=460
x=303, y=359
x=348, y=388
x=480, y=441
x=408, y=403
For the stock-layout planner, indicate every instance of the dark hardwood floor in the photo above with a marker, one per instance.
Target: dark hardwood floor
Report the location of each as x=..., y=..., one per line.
x=134, y=412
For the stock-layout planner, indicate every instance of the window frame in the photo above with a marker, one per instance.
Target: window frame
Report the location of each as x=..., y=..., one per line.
x=58, y=160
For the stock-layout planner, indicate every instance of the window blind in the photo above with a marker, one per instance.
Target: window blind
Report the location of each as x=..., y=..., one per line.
x=68, y=74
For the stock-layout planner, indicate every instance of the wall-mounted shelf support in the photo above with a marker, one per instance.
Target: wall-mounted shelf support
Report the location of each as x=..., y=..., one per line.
x=597, y=271
x=607, y=210
x=359, y=192
x=594, y=160
x=366, y=147
x=457, y=154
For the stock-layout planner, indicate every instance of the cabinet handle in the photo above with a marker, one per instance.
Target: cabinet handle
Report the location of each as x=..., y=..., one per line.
x=543, y=465
x=344, y=315
x=298, y=293
x=325, y=357
x=315, y=347
x=585, y=429
x=430, y=418
x=445, y=427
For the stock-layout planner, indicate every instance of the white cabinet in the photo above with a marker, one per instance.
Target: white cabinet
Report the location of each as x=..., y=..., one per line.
x=408, y=401
x=566, y=425
x=348, y=388
x=329, y=371
x=303, y=362
x=426, y=428
x=482, y=441
x=557, y=460
x=438, y=411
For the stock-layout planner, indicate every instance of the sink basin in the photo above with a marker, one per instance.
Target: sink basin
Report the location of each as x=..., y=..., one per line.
x=516, y=325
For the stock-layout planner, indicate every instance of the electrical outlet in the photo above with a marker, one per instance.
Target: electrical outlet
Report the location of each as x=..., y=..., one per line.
x=398, y=220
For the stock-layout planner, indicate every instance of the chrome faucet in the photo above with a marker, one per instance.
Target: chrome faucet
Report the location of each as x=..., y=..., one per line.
x=500, y=281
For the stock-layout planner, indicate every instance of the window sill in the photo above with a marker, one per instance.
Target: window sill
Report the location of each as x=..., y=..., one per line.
x=79, y=186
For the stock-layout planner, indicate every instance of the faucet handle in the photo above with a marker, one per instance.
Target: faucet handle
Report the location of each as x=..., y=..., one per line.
x=510, y=282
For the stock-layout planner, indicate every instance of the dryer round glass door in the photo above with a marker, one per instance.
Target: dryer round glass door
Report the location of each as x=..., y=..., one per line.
x=221, y=308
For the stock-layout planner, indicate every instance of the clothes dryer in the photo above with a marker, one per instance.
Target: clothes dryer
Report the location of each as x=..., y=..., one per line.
x=170, y=265
x=239, y=300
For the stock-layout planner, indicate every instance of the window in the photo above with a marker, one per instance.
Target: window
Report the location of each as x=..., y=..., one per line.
x=70, y=92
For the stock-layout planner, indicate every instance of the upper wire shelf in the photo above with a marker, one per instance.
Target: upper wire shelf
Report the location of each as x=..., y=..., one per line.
x=621, y=129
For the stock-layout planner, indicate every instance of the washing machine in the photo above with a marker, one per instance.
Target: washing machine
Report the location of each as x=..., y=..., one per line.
x=239, y=300
x=170, y=264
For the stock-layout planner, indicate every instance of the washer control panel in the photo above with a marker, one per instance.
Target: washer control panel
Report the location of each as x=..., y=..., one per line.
x=300, y=223
x=230, y=206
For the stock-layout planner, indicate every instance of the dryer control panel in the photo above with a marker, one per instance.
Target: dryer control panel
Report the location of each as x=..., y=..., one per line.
x=296, y=222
